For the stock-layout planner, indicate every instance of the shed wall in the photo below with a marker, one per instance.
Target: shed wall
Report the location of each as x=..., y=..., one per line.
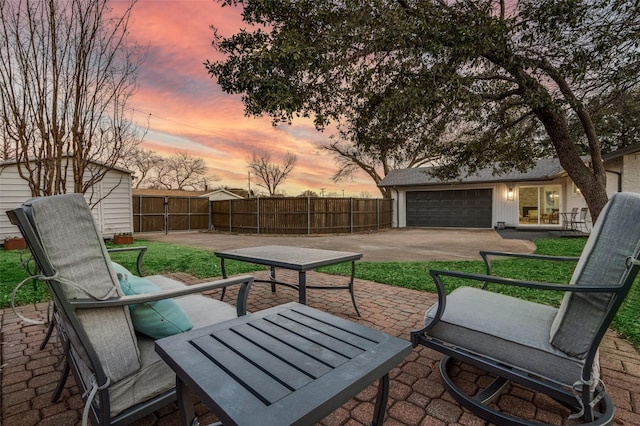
x=113, y=214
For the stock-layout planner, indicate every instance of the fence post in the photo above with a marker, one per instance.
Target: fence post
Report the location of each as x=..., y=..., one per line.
x=308, y=215
x=230, y=215
x=140, y=211
x=351, y=214
x=166, y=215
x=210, y=222
x=378, y=213
x=258, y=215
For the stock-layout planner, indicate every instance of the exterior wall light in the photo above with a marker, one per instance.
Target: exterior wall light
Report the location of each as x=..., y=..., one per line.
x=510, y=193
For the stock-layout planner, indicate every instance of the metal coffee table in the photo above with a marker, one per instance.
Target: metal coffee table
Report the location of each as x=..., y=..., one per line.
x=288, y=365
x=296, y=259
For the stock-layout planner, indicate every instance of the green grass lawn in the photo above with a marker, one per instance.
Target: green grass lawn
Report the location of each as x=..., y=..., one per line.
x=162, y=258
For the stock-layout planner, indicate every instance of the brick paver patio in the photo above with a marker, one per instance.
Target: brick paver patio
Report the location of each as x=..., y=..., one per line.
x=417, y=396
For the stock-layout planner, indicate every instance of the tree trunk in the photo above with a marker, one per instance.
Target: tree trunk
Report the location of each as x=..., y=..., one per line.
x=590, y=180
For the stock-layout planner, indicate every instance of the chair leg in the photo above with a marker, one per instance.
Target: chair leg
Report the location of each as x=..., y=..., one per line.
x=493, y=391
x=63, y=379
x=476, y=405
x=47, y=336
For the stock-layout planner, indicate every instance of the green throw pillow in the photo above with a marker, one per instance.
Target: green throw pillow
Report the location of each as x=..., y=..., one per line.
x=155, y=319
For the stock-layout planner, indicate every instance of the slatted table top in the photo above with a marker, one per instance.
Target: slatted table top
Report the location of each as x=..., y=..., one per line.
x=290, y=364
x=295, y=258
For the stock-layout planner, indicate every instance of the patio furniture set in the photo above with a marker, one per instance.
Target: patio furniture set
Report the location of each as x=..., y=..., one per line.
x=575, y=220
x=135, y=344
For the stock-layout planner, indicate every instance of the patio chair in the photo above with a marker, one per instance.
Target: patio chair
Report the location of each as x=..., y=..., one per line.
x=115, y=366
x=580, y=223
x=547, y=349
x=33, y=271
x=52, y=313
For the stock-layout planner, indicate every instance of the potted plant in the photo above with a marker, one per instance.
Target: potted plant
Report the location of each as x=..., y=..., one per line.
x=15, y=243
x=123, y=238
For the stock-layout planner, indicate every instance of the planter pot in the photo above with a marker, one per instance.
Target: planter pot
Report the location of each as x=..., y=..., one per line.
x=15, y=244
x=123, y=239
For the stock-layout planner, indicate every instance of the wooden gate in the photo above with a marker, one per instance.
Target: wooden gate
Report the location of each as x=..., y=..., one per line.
x=164, y=214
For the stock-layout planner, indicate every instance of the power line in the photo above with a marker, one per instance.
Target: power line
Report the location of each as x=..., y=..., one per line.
x=155, y=116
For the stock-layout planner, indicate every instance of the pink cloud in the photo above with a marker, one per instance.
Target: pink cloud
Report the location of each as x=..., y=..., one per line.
x=187, y=111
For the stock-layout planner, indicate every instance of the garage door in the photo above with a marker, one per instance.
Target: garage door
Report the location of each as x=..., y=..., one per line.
x=461, y=208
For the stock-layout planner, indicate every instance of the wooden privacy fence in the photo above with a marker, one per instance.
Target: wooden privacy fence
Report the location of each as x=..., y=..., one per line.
x=164, y=214
x=300, y=215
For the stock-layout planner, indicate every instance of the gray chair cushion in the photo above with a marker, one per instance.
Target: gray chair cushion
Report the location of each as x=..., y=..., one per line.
x=76, y=250
x=506, y=329
x=154, y=376
x=615, y=236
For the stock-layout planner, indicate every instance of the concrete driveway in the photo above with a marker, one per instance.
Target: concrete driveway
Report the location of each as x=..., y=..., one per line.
x=405, y=244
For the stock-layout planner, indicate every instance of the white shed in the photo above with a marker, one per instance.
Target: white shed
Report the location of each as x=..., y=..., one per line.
x=113, y=213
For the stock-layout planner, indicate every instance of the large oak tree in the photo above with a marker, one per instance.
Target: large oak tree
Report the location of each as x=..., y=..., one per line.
x=510, y=77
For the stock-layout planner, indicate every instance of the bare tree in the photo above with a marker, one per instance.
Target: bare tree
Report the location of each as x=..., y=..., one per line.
x=6, y=148
x=183, y=172
x=142, y=162
x=67, y=72
x=269, y=175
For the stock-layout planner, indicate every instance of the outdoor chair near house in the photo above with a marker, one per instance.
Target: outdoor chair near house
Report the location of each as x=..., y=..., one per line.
x=107, y=336
x=547, y=349
x=579, y=223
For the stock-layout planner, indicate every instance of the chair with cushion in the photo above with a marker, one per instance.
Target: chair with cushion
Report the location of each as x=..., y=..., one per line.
x=52, y=314
x=108, y=317
x=547, y=349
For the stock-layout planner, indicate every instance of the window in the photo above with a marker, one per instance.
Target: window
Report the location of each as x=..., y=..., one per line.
x=539, y=204
x=575, y=189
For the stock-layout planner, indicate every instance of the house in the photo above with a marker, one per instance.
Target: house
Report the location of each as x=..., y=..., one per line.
x=532, y=199
x=218, y=194
x=223, y=194
x=110, y=199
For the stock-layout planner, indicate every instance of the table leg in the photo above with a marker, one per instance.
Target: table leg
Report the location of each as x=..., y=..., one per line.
x=302, y=287
x=185, y=404
x=353, y=296
x=224, y=275
x=381, y=401
x=272, y=277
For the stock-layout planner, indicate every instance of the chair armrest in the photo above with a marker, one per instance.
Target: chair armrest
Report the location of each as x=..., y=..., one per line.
x=244, y=281
x=484, y=254
x=576, y=288
x=141, y=249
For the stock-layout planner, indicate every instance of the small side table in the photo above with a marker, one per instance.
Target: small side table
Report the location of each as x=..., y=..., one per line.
x=287, y=365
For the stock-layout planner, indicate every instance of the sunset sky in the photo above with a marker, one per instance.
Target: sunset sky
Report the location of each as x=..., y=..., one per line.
x=189, y=112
